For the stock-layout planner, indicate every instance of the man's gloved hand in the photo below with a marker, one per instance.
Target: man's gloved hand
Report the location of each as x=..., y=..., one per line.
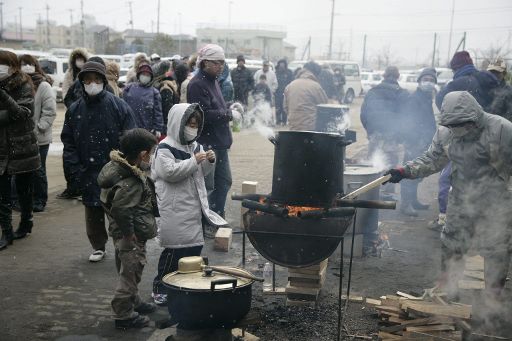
x=397, y=174
x=237, y=107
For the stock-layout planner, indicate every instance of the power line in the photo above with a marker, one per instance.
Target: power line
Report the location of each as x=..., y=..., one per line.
x=21, y=25
x=131, y=14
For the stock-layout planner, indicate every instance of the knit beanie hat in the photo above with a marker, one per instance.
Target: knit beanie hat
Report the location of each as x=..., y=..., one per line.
x=93, y=67
x=428, y=71
x=240, y=58
x=391, y=72
x=460, y=59
x=144, y=68
x=97, y=60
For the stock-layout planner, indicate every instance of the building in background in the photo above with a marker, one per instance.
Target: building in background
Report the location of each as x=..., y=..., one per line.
x=12, y=37
x=253, y=41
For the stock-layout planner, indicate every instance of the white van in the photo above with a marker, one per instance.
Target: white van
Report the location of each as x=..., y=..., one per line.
x=56, y=68
x=127, y=60
x=350, y=69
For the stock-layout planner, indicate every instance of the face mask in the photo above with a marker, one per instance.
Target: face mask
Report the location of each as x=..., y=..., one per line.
x=144, y=79
x=190, y=133
x=79, y=63
x=28, y=69
x=93, y=89
x=4, y=72
x=460, y=131
x=427, y=86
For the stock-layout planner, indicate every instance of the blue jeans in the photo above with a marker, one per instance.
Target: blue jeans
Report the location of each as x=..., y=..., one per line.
x=219, y=182
x=444, y=188
x=40, y=179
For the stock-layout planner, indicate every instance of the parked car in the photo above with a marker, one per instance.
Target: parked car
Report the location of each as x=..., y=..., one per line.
x=369, y=80
x=408, y=81
x=122, y=77
x=56, y=68
x=444, y=76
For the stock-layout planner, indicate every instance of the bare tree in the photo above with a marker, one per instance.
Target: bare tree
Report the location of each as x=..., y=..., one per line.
x=497, y=49
x=385, y=57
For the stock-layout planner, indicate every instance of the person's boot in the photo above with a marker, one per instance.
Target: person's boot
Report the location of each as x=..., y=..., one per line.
x=408, y=209
x=23, y=229
x=7, y=238
x=438, y=224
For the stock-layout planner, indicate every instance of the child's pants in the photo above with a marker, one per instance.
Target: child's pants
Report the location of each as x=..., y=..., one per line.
x=130, y=261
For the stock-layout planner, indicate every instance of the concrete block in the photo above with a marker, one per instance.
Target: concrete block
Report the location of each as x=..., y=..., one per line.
x=223, y=239
x=358, y=245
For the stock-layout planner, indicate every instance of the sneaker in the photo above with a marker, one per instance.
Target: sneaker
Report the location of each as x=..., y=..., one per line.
x=210, y=231
x=97, y=256
x=38, y=208
x=146, y=308
x=159, y=299
x=438, y=224
x=68, y=194
x=139, y=321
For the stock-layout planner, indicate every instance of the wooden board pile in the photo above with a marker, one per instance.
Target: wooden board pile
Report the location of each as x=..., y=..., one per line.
x=304, y=284
x=473, y=274
x=412, y=319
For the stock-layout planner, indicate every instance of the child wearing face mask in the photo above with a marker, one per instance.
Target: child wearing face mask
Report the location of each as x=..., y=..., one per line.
x=145, y=101
x=178, y=169
x=129, y=201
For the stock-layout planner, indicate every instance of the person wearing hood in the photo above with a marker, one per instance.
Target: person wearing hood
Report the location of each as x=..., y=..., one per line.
x=92, y=128
x=113, y=70
x=284, y=77
x=140, y=58
x=478, y=146
x=181, y=74
x=502, y=97
x=167, y=88
x=226, y=85
x=145, y=102
x=45, y=111
x=418, y=128
x=269, y=73
x=302, y=96
x=178, y=169
x=77, y=59
x=326, y=79
x=242, y=79
x=129, y=201
x=381, y=116
x=216, y=135
x=191, y=73
x=155, y=59
x=19, y=153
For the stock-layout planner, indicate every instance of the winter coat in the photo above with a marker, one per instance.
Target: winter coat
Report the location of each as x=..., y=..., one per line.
x=242, y=83
x=76, y=91
x=502, y=101
x=205, y=90
x=300, y=100
x=381, y=110
x=326, y=79
x=284, y=77
x=113, y=76
x=184, y=87
x=92, y=128
x=146, y=105
x=418, y=124
x=481, y=168
x=169, y=93
x=271, y=79
x=128, y=198
x=180, y=188
x=131, y=75
x=72, y=71
x=19, y=152
x=479, y=84
x=45, y=111
x=226, y=85
x=262, y=92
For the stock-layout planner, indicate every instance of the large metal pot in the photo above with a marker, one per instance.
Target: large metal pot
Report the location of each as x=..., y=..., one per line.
x=329, y=118
x=307, y=168
x=207, y=299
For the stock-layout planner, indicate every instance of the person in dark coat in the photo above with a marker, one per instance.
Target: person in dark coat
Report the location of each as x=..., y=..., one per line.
x=145, y=102
x=381, y=117
x=339, y=83
x=226, y=85
x=418, y=128
x=216, y=134
x=243, y=81
x=284, y=77
x=92, y=128
x=502, y=96
x=168, y=88
x=261, y=92
x=326, y=79
x=19, y=153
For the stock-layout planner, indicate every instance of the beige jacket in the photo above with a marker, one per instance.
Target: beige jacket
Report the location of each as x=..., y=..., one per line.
x=300, y=100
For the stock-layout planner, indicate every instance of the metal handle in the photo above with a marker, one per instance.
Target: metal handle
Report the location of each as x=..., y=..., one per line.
x=223, y=281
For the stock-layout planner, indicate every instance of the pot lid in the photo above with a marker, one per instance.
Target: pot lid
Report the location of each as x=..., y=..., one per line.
x=200, y=281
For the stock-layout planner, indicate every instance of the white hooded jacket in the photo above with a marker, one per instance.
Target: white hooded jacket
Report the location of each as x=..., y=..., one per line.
x=179, y=182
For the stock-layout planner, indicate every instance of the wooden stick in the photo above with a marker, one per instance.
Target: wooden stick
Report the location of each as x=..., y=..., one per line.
x=368, y=187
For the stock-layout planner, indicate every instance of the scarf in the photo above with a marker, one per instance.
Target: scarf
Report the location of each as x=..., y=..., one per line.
x=464, y=71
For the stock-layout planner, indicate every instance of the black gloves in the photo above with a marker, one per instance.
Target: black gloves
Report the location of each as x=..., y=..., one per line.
x=397, y=174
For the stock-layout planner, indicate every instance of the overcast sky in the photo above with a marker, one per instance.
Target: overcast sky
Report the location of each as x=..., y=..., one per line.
x=405, y=26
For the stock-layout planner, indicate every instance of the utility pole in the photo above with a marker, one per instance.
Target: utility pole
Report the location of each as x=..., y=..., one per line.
x=157, y=19
x=332, y=27
x=1, y=19
x=364, y=51
x=82, y=22
x=70, y=17
x=229, y=27
x=48, y=25
x=152, y=26
x=21, y=25
x=179, y=36
x=434, y=51
x=131, y=13
x=451, y=31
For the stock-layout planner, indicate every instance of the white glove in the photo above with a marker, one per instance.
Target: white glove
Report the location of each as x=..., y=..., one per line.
x=238, y=107
x=237, y=116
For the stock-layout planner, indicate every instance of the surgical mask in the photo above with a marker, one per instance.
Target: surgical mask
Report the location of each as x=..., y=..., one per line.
x=79, y=63
x=93, y=89
x=427, y=86
x=144, y=79
x=190, y=133
x=460, y=131
x=30, y=69
x=4, y=72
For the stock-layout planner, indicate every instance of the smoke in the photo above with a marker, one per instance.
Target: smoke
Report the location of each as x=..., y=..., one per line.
x=379, y=160
x=260, y=117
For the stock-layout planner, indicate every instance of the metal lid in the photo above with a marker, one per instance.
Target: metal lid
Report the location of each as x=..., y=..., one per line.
x=200, y=281
x=361, y=170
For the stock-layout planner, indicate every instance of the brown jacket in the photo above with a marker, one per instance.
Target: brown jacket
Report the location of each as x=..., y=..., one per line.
x=300, y=100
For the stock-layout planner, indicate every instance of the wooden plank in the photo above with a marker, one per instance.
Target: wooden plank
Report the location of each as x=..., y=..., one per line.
x=353, y=298
x=223, y=239
x=300, y=303
x=437, y=327
x=474, y=274
x=316, y=275
x=411, y=297
x=456, y=311
x=475, y=263
x=471, y=285
x=278, y=291
x=247, y=336
x=248, y=187
x=420, y=336
x=301, y=290
x=428, y=320
x=389, y=309
x=388, y=336
x=372, y=301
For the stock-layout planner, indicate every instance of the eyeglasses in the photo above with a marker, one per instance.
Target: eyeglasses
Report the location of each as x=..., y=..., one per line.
x=217, y=62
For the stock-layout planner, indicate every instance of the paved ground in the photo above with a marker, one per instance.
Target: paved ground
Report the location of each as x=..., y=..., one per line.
x=49, y=290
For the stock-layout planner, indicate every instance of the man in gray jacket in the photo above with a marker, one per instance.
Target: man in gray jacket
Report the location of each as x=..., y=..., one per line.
x=479, y=215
